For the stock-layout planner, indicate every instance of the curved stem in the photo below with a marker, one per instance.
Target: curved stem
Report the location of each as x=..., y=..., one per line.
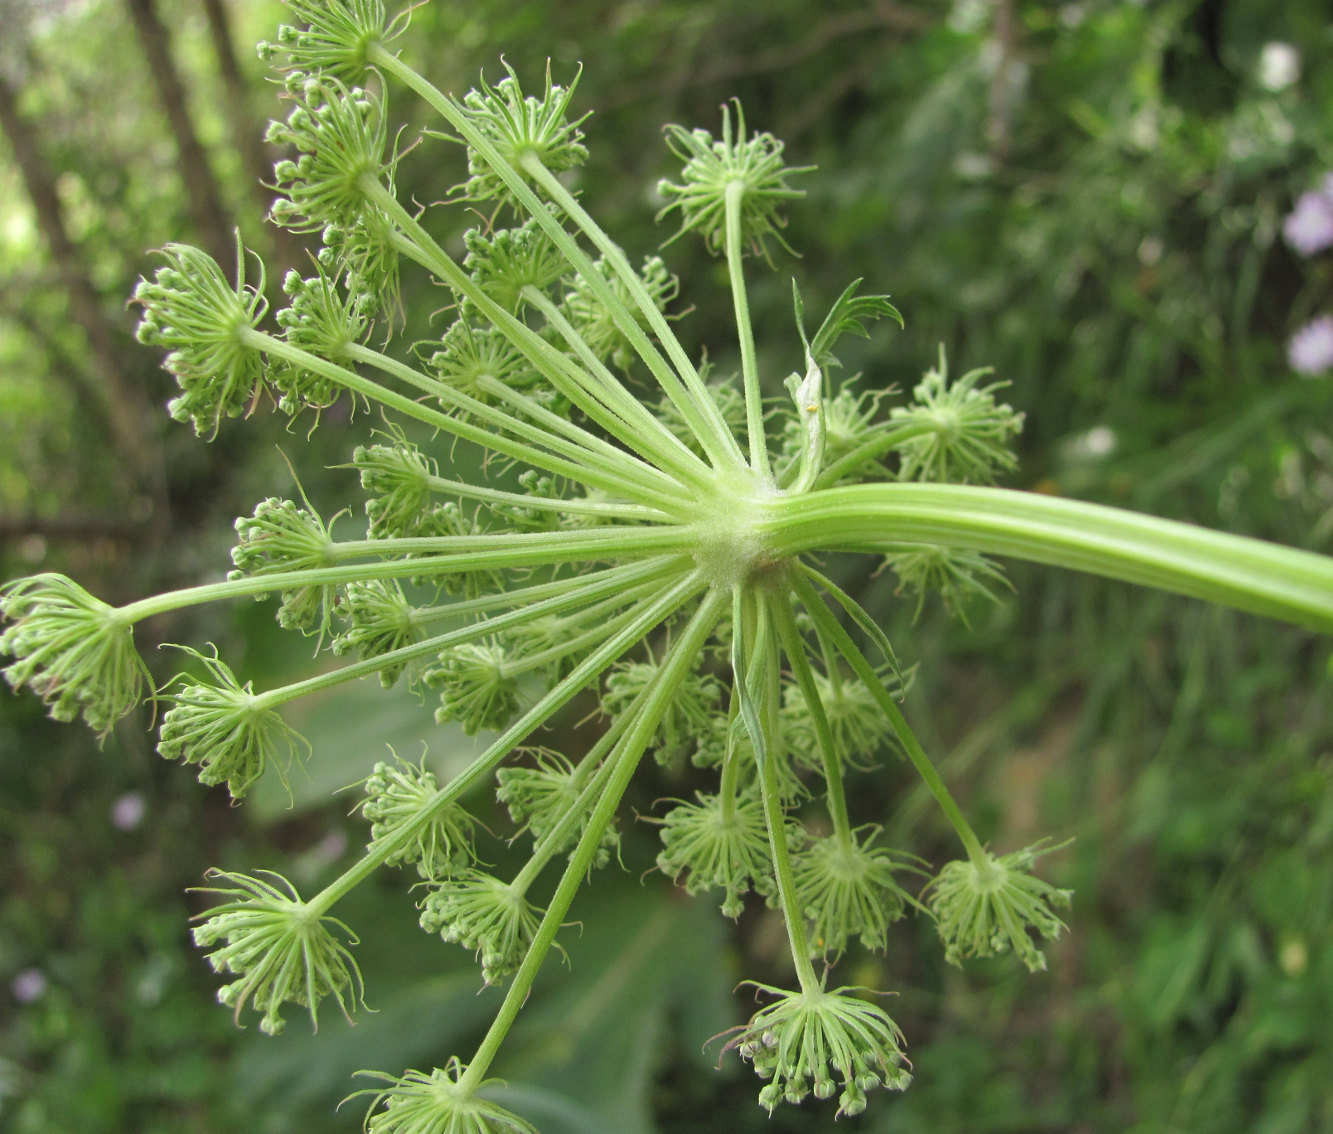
x=1248, y=574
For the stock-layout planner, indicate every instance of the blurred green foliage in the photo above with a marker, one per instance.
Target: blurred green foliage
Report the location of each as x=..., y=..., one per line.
x=1085, y=195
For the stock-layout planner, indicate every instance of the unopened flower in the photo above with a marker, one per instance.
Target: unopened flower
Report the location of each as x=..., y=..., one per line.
x=968, y=432
x=542, y=797
x=421, y=1103
x=71, y=649
x=279, y=950
x=485, y=914
x=380, y=619
x=719, y=843
x=750, y=169
x=1311, y=348
x=505, y=262
x=336, y=37
x=847, y=888
x=593, y=319
x=396, y=796
x=280, y=537
x=202, y=320
x=988, y=908
x=477, y=688
x=225, y=728
x=801, y=1041
x=521, y=127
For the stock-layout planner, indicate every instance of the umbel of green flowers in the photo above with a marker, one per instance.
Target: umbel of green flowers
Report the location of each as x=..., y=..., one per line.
x=657, y=541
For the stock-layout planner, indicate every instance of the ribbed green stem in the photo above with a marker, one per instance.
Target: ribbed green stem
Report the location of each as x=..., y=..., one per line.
x=626, y=586
x=680, y=660
x=1249, y=574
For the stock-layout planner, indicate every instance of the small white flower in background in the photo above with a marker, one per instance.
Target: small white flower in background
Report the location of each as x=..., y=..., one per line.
x=128, y=811
x=29, y=986
x=1311, y=348
x=1309, y=226
x=1279, y=66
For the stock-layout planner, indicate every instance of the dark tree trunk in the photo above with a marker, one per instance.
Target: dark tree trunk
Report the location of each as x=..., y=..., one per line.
x=210, y=216
x=120, y=402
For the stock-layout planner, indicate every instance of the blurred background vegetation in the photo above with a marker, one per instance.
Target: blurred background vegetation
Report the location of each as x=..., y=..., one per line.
x=1086, y=195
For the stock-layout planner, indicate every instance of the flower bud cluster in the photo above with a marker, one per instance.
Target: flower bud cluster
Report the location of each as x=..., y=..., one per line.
x=280, y=537
x=820, y=1042
x=693, y=712
x=397, y=796
x=279, y=949
x=418, y=1103
x=71, y=649
x=331, y=37
x=341, y=139
x=969, y=434
x=985, y=908
x=201, y=320
x=378, y=619
x=505, y=262
x=593, y=320
x=541, y=798
x=713, y=168
x=225, y=728
x=520, y=127
x=485, y=914
x=477, y=687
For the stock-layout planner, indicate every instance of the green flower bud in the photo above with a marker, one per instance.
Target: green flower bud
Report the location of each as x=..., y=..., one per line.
x=73, y=650
x=691, y=713
x=970, y=433
x=278, y=949
x=336, y=38
x=323, y=322
x=848, y=889
x=468, y=354
x=396, y=796
x=225, y=728
x=282, y=537
x=722, y=844
x=484, y=914
x=540, y=798
x=802, y=1039
x=713, y=167
x=957, y=576
x=417, y=1103
x=202, y=320
x=520, y=126
x=380, y=620
x=984, y=910
x=476, y=688
x=506, y=262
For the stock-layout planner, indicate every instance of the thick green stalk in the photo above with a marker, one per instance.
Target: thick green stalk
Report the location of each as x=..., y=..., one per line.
x=1249, y=574
x=751, y=643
